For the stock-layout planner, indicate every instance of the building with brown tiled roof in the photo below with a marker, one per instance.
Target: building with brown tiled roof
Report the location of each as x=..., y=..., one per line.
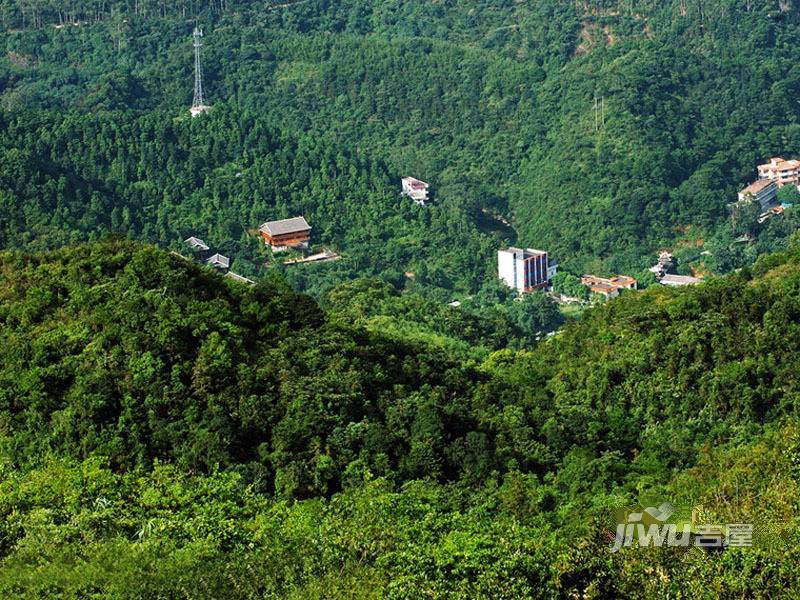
x=287, y=233
x=610, y=287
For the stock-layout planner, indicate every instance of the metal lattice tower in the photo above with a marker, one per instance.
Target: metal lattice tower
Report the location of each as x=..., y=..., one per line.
x=198, y=69
x=198, y=104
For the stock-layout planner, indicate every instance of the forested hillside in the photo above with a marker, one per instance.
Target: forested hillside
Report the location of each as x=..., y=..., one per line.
x=602, y=131
x=159, y=418
x=394, y=423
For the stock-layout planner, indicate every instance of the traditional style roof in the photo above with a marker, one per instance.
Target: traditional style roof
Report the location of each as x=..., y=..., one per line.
x=196, y=244
x=219, y=261
x=239, y=278
x=285, y=226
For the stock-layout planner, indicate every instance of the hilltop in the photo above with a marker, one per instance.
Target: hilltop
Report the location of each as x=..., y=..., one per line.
x=199, y=429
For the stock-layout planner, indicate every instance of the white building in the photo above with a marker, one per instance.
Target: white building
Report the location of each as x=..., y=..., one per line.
x=416, y=189
x=525, y=270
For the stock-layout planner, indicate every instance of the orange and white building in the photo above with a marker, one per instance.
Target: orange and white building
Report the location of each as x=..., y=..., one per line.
x=285, y=234
x=781, y=171
x=610, y=287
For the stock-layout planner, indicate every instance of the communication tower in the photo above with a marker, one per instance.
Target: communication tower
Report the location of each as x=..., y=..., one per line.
x=198, y=105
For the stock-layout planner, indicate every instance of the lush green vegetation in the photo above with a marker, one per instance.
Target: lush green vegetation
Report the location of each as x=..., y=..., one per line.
x=231, y=440
x=320, y=107
x=491, y=320
x=394, y=423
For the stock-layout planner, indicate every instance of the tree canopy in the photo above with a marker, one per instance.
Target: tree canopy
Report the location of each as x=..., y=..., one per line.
x=201, y=428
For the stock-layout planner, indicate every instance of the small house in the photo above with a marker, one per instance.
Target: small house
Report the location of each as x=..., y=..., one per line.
x=664, y=264
x=416, y=189
x=219, y=262
x=608, y=287
x=197, y=244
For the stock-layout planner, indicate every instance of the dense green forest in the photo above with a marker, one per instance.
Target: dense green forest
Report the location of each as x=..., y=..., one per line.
x=602, y=131
x=169, y=432
x=395, y=423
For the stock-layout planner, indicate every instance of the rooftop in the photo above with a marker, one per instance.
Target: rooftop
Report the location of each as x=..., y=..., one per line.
x=196, y=243
x=526, y=253
x=219, y=261
x=623, y=280
x=285, y=226
x=679, y=280
x=240, y=278
x=602, y=285
x=778, y=163
x=758, y=186
x=617, y=280
x=415, y=183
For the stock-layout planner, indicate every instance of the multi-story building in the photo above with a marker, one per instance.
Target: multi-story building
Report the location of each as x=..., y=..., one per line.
x=525, y=270
x=780, y=171
x=763, y=191
x=416, y=189
x=288, y=233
